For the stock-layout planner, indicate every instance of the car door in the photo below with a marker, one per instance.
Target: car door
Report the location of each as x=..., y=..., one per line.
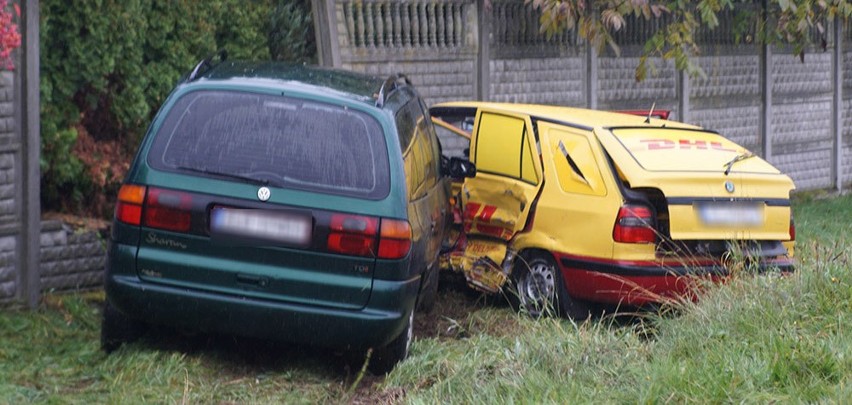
x=498, y=199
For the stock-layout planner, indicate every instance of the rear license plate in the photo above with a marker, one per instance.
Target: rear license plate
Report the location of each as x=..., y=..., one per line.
x=730, y=213
x=249, y=225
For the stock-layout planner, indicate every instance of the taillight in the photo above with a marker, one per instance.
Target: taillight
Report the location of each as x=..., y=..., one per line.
x=792, y=229
x=128, y=208
x=352, y=234
x=394, y=239
x=168, y=210
x=634, y=224
x=359, y=235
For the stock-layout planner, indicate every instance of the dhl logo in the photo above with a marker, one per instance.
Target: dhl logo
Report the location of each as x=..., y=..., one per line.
x=661, y=144
x=481, y=221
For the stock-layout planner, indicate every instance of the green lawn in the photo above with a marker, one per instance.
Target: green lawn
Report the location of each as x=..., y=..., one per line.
x=755, y=339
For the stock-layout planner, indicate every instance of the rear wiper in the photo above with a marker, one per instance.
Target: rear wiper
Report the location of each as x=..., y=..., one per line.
x=225, y=175
x=738, y=158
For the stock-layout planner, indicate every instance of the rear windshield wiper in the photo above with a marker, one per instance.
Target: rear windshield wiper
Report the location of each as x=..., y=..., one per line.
x=738, y=158
x=206, y=171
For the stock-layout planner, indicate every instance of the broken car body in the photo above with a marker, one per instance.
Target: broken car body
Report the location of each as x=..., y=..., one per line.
x=576, y=206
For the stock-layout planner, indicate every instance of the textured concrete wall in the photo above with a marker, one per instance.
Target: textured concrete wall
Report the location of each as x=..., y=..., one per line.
x=618, y=88
x=8, y=276
x=801, y=119
x=70, y=259
x=728, y=98
x=9, y=223
x=437, y=80
x=453, y=51
x=552, y=80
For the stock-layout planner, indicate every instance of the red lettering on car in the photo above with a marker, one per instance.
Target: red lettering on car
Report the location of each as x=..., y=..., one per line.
x=718, y=146
x=655, y=144
x=687, y=144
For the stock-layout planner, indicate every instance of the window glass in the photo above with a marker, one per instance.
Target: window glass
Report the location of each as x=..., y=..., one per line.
x=528, y=172
x=576, y=167
x=498, y=145
x=284, y=141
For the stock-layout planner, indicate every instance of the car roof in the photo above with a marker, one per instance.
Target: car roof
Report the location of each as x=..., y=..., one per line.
x=573, y=116
x=335, y=82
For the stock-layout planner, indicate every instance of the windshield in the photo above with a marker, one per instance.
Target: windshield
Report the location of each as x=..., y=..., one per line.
x=285, y=142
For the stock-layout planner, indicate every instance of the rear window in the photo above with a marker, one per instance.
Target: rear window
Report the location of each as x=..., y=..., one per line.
x=285, y=142
x=663, y=149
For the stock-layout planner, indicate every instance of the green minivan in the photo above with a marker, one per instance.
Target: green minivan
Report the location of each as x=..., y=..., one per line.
x=285, y=202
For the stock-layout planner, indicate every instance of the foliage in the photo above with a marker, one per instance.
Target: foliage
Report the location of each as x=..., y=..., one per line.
x=107, y=65
x=291, y=37
x=10, y=39
x=791, y=22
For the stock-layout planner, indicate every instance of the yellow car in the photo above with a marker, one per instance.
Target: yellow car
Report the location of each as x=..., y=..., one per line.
x=576, y=206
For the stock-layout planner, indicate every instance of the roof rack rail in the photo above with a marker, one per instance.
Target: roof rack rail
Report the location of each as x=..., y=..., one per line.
x=207, y=64
x=391, y=84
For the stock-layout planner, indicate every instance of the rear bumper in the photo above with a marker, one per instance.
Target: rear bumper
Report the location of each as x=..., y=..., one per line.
x=377, y=324
x=644, y=282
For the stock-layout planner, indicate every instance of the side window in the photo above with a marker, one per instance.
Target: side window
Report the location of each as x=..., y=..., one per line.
x=503, y=148
x=426, y=135
x=422, y=165
x=576, y=167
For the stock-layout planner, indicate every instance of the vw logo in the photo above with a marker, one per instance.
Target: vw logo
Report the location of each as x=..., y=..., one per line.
x=263, y=194
x=729, y=186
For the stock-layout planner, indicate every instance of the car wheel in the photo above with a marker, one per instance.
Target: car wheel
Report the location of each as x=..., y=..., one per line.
x=117, y=328
x=540, y=290
x=385, y=358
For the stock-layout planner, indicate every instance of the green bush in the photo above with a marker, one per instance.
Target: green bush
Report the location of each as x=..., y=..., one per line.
x=107, y=65
x=291, y=36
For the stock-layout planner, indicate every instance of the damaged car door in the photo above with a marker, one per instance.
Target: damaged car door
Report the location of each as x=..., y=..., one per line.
x=498, y=200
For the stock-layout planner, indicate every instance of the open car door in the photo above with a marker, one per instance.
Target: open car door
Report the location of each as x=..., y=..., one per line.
x=498, y=200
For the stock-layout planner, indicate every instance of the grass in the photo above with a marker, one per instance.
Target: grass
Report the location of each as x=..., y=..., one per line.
x=754, y=339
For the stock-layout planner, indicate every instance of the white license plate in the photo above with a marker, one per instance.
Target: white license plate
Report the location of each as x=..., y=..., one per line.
x=267, y=225
x=730, y=213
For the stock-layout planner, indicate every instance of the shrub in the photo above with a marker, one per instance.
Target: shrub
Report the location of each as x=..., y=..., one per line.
x=107, y=65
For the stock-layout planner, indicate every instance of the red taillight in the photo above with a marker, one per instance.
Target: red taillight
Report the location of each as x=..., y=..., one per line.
x=352, y=235
x=634, y=224
x=792, y=229
x=394, y=239
x=358, y=235
x=168, y=210
x=128, y=208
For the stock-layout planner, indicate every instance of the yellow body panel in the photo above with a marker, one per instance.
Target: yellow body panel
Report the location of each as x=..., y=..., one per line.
x=583, y=166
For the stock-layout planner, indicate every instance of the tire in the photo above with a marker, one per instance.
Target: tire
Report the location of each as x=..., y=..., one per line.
x=118, y=329
x=386, y=358
x=538, y=289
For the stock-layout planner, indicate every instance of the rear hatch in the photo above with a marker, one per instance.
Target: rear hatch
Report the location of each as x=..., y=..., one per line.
x=265, y=196
x=712, y=188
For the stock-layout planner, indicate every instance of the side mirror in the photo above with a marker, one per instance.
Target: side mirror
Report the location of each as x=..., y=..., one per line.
x=461, y=168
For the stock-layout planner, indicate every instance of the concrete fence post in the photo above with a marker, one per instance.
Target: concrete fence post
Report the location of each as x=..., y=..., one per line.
x=766, y=80
x=683, y=96
x=325, y=31
x=837, y=106
x=483, y=51
x=592, y=84
x=29, y=284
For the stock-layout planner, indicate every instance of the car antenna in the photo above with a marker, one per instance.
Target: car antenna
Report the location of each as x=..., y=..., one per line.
x=650, y=113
